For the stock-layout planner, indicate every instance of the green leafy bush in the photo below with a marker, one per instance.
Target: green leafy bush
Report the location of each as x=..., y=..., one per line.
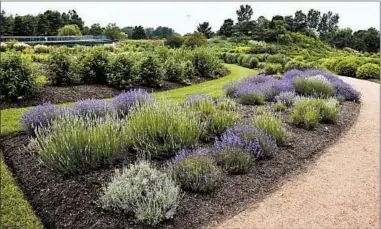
x=368, y=71
x=174, y=42
x=152, y=196
x=315, y=86
x=74, y=145
x=196, y=172
x=273, y=126
x=120, y=73
x=174, y=71
x=41, y=49
x=162, y=129
x=194, y=40
x=151, y=72
x=276, y=59
x=16, y=76
x=234, y=160
x=272, y=68
x=346, y=67
x=95, y=65
x=308, y=112
x=206, y=63
x=189, y=71
x=61, y=69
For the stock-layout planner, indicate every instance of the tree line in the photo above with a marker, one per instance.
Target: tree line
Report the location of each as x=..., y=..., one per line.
x=315, y=23
x=53, y=23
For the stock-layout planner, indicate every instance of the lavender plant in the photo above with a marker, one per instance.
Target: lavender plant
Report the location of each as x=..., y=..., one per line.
x=74, y=145
x=248, y=138
x=286, y=98
x=127, y=100
x=152, y=196
x=273, y=126
x=40, y=116
x=316, y=86
x=160, y=129
x=196, y=171
x=250, y=94
x=93, y=108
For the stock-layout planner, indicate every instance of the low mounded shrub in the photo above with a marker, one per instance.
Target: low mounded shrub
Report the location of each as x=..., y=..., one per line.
x=250, y=94
x=173, y=70
x=276, y=59
x=368, y=70
x=286, y=98
x=279, y=107
x=152, y=196
x=272, y=68
x=346, y=67
x=127, y=100
x=213, y=121
x=75, y=145
x=16, y=76
x=308, y=112
x=206, y=63
x=316, y=86
x=120, y=73
x=160, y=130
x=189, y=71
x=247, y=138
x=196, y=171
x=273, y=126
x=41, y=49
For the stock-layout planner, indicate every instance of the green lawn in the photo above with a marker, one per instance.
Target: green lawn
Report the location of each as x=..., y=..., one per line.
x=15, y=210
x=10, y=117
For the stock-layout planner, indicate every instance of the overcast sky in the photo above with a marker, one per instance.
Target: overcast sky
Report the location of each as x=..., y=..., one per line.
x=183, y=17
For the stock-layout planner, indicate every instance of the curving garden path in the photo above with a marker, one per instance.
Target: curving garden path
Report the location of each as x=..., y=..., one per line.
x=340, y=190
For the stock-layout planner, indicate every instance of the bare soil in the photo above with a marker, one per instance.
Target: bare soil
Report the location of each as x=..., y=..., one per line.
x=71, y=202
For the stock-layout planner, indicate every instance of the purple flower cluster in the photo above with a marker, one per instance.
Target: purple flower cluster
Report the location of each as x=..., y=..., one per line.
x=186, y=153
x=41, y=116
x=245, y=137
x=256, y=79
x=343, y=89
x=231, y=88
x=127, y=100
x=93, y=108
x=286, y=98
x=274, y=87
x=195, y=98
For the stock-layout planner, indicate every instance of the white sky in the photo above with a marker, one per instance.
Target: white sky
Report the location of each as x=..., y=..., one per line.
x=356, y=15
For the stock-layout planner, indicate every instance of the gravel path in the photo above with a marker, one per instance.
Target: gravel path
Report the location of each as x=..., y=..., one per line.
x=340, y=190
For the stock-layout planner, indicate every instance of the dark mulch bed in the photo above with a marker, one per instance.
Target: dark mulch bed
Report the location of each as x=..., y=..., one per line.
x=70, y=203
x=64, y=94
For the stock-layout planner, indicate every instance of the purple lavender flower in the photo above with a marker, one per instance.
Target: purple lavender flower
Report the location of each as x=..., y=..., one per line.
x=286, y=98
x=186, y=153
x=127, y=100
x=195, y=98
x=93, y=108
x=289, y=75
x=256, y=79
x=272, y=88
x=231, y=88
x=41, y=116
x=343, y=89
x=246, y=137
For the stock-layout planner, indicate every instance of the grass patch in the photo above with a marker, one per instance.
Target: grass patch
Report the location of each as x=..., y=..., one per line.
x=15, y=210
x=10, y=117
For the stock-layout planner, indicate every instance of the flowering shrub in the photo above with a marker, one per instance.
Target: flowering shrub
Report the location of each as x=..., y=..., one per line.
x=316, y=86
x=250, y=94
x=247, y=138
x=159, y=130
x=196, y=171
x=127, y=100
x=286, y=98
x=93, y=108
x=149, y=194
x=272, y=88
x=40, y=116
x=231, y=88
x=214, y=121
x=273, y=126
x=19, y=46
x=74, y=145
x=3, y=47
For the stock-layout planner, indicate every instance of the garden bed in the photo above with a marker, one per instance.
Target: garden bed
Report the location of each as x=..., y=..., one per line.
x=66, y=94
x=70, y=202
